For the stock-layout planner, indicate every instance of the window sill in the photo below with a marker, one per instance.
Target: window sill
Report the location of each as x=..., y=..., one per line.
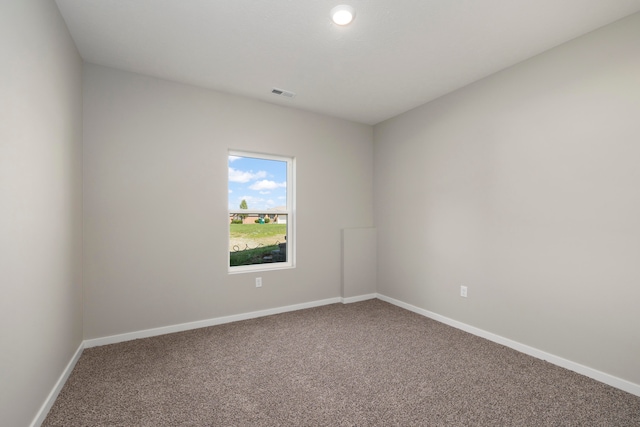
x=256, y=268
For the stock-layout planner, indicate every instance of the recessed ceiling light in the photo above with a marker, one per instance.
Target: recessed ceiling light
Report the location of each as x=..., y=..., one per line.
x=343, y=14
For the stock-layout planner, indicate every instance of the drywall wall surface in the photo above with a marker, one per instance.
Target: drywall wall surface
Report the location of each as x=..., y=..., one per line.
x=359, y=262
x=40, y=205
x=524, y=187
x=156, y=200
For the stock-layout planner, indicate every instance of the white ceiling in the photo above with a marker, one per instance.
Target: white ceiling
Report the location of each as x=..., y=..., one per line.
x=396, y=55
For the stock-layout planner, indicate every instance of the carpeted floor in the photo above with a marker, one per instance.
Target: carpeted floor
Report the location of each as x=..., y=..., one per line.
x=362, y=364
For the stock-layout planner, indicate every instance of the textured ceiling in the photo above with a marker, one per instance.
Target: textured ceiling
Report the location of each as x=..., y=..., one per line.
x=396, y=54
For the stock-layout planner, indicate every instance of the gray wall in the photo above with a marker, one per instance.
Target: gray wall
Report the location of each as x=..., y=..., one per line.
x=525, y=187
x=359, y=263
x=156, y=223
x=40, y=205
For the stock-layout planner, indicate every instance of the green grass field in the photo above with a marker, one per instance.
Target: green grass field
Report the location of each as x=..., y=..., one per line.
x=248, y=243
x=258, y=231
x=250, y=256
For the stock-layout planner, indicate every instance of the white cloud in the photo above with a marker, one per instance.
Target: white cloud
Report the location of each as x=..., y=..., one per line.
x=236, y=175
x=230, y=191
x=233, y=158
x=265, y=184
x=252, y=201
x=265, y=192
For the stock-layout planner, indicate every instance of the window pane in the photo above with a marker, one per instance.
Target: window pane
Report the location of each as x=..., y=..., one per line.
x=259, y=210
x=257, y=241
x=260, y=183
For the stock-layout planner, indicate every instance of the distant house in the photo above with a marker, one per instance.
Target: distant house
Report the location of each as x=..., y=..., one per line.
x=250, y=218
x=278, y=218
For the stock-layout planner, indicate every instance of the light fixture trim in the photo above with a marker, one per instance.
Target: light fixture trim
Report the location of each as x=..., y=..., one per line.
x=343, y=14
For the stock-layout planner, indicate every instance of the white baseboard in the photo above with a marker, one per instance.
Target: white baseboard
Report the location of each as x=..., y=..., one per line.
x=112, y=339
x=53, y=395
x=358, y=298
x=605, y=378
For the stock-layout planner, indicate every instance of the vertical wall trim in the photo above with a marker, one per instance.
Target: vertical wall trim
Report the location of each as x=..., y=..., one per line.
x=359, y=262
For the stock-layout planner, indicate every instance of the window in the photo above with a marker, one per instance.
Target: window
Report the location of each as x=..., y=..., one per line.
x=261, y=212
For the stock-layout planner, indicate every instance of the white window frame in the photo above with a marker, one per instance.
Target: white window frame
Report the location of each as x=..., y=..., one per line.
x=290, y=212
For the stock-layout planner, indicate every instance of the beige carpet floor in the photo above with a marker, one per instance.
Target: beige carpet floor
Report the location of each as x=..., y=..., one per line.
x=362, y=364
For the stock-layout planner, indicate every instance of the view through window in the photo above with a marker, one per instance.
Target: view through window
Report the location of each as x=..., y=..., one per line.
x=260, y=211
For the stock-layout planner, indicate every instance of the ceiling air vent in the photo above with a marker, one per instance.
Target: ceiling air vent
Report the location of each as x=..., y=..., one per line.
x=282, y=92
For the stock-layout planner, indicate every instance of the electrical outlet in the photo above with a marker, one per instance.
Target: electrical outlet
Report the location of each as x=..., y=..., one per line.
x=258, y=282
x=463, y=291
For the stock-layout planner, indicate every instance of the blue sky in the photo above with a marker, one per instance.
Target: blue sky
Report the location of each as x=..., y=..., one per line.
x=261, y=182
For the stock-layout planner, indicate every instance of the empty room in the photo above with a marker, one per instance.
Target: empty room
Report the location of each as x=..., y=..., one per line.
x=319, y=213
